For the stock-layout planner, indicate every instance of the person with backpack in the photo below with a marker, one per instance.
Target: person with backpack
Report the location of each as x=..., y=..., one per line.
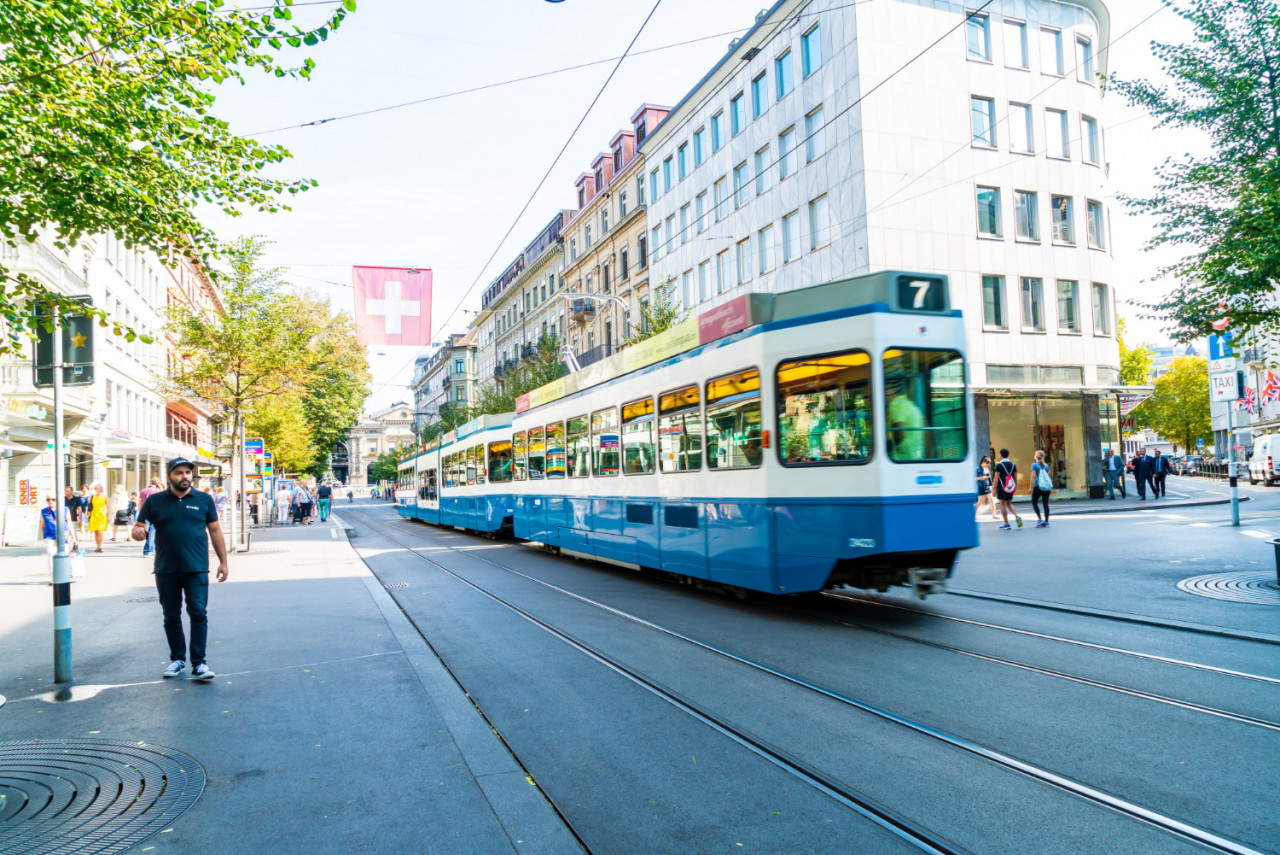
x=1006, y=486
x=1041, y=486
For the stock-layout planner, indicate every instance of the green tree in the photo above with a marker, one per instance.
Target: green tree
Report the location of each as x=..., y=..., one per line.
x=282, y=424
x=1179, y=408
x=1135, y=363
x=387, y=466
x=663, y=312
x=108, y=125
x=545, y=366
x=1224, y=207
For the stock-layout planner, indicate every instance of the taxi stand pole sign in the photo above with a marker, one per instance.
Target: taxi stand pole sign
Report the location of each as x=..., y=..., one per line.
x=1225, y=383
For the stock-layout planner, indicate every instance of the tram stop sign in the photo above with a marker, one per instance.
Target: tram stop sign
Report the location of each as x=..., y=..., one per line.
x=77, y=349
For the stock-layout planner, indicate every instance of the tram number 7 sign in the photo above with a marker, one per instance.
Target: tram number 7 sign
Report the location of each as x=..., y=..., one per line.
x=1223, y=386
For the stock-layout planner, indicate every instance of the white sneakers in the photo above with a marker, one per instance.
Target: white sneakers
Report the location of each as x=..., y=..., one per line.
x=202, y=672
x=177, y=666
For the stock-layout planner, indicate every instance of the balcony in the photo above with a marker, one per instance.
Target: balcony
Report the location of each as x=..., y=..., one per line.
x=580, y=310
x=528, y=352
x=595, y=354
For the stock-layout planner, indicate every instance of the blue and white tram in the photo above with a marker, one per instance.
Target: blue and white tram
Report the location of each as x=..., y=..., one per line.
x=463, y=479
x=824, y=441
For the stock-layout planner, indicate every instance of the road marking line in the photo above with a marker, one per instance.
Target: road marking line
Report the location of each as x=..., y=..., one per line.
x=333, y=533
x=1202, y=525
x=1253, y=532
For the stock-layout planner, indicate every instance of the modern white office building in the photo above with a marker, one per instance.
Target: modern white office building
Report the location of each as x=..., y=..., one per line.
x=835, y=139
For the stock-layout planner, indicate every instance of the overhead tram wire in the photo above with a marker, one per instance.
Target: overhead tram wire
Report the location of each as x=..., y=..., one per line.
x=536, y=189
x=495, y=85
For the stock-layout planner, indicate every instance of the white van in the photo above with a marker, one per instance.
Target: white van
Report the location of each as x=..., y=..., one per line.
x=1264, y=463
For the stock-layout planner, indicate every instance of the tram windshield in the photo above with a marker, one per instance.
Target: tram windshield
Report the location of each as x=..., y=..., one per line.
x=924, y=405
x=824, y=409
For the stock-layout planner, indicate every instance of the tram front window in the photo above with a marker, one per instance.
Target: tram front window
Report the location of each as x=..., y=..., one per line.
x=924, y=405
x=824, y=409
x=733, y=421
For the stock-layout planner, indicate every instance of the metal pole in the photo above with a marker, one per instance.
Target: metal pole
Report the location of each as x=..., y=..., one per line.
x=244, y=497
x=231, y=517
x=61, y=560
x=1231, y=465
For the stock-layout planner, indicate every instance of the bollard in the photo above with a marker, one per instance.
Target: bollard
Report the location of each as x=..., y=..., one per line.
x=1275, y=543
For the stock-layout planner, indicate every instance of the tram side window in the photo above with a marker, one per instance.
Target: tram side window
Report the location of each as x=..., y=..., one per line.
x=637, y=437
x=518, y=451
x=824, y=409
x=447, y=462
x=477, y=452
x=680, y=430
x=733, y=421
x=537, y=455
x=924, y=405
x=578, y=447
x=500, y=461
x=555, y=450
x=470, y=455
x=605, y=442
x=430, y=488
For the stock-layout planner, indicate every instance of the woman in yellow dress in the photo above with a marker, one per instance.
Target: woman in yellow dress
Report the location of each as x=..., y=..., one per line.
x=98, y=515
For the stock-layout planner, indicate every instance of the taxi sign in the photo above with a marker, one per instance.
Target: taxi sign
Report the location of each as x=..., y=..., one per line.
x=1222, y=386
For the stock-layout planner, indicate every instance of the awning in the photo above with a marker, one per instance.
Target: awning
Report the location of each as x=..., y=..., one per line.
x=5, y=445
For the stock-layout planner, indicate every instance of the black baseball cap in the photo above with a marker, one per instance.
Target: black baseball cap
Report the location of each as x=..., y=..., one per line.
x=179, y=461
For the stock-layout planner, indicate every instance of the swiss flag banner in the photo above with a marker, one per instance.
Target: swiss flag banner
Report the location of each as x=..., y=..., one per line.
x=393, y=305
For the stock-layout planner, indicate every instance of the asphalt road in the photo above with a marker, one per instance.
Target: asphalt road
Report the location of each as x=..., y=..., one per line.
x=658, y=718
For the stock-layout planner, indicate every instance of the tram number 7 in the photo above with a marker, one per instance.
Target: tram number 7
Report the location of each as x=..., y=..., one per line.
x=921, y=294
x=922, y=291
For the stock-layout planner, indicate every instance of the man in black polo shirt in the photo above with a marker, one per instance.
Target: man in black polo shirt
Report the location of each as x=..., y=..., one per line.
x=184, y=520
x=325, y=494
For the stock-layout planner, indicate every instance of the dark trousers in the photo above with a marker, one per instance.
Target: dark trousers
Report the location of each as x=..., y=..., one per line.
x=1039, y=496
x=1158, y=481
x=1144, y=481
x=194, y=588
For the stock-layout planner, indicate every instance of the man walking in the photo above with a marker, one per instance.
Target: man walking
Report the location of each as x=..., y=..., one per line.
x=147, y=492
x=1113, y=472
x=1159, y=469
x=324, y=494
x=1142, y=473
x=183, y=521
x=1006, y=485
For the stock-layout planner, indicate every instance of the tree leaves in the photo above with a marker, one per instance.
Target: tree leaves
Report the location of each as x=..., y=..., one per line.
x=663, y=312
x=1178, y=410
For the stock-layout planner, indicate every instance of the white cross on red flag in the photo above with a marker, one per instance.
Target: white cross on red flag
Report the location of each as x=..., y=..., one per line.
x=393, y=305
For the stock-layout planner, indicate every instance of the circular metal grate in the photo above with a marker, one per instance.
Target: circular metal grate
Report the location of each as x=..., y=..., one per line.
x=83, y=796
x=1249, y=586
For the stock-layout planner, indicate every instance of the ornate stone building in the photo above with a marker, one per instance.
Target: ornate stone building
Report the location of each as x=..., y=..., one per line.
x=376, y=433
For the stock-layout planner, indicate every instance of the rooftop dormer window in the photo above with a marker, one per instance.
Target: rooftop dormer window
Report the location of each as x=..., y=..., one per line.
x=599, y=178
x=617, y=159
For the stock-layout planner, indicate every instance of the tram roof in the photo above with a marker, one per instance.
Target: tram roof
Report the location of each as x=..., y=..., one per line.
x=891, y=290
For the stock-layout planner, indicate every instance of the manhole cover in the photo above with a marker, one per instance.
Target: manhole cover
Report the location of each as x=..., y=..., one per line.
x=396, y=585
x=90, y=795
x=143, y=600
x=1246, y=587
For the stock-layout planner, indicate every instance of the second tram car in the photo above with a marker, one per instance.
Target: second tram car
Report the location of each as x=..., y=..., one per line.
x=781, y=442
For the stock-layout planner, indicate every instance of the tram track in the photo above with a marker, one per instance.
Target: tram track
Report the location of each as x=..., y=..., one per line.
x=906, y=829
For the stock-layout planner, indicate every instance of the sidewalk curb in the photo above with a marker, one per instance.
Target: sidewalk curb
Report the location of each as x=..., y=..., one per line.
x=1058, y=508
x=518, y=803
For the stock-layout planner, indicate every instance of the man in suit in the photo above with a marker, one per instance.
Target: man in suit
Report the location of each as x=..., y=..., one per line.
x=1113, y=473
x=1142, y=473
x=1159, y=469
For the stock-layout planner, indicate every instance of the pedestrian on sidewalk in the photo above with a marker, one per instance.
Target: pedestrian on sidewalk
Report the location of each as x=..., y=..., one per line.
x=1006, y=485
x=305, y=503
x=119, y=511
x=98, y=516
x=1142, y=473
x=351, y=495
x=1113, y=472
x=1041, y=487
x=220, y=501
x=185, y=520
x=985, y=495
x=324, y=493
x=85, y=502
x=71, y=504
x=1159, y=470
x=49, y=517
x=147, y=492
x=282, y=503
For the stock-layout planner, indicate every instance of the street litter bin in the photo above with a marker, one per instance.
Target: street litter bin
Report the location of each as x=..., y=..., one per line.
x=1275, y=543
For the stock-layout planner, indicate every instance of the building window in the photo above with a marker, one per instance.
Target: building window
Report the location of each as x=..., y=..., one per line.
x=1059, y=139
x=762, y=170
x=783, y=74
x=704, y=281
x=617, y=160
x=622, y=204
x=1032, y=304
x=655, y=245
x=653, y=185
x=1062, y=221
x=759, y=94
x=1093, y=224
x=989, y=212
x=641, y=252
x=1016, y=54
x=977, y=30
x=721, y=190
x=744, y=260
x=640, y=190
x=767, y=259
x=717, y=131
x=699, y=146
x=982, y=116
x=684, y=225
x=671, y=233
x=700, y=212
x=786, y=153
x=1026, y=208
x=811, y=50
x=667, y=176
x=624, y=266
x=1091, y=141
x=573, y=249
x=686, y=288
x=604, y=219
x=819, y=222
x=586, y=231
x=722, y=271
x=1051, y=59
x=1068, y=306
x=459, y=366
x=599, y=180
x=993, y=317
x=1022, y=136
x=740, y=185
x=791, y=237
x=1101, y=309
x=738, y=113
x=682, y=160
x=815, y=142
x=1085, y=70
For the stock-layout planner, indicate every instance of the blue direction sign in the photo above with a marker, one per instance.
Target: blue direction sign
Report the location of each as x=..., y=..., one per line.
x=1220, y=346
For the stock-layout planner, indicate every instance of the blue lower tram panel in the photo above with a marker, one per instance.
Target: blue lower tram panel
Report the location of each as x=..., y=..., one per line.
x=780, y=547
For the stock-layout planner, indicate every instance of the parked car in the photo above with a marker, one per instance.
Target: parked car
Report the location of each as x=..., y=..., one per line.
x=1190, y=465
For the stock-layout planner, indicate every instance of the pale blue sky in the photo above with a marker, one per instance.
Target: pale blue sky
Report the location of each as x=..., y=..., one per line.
x=437, y=184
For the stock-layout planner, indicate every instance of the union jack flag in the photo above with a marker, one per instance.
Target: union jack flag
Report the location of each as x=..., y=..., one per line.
x=1271, y=391
x=1248, y=401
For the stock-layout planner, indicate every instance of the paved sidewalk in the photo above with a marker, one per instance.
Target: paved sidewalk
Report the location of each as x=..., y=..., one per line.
x=330, y=728
x=1182, y=494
